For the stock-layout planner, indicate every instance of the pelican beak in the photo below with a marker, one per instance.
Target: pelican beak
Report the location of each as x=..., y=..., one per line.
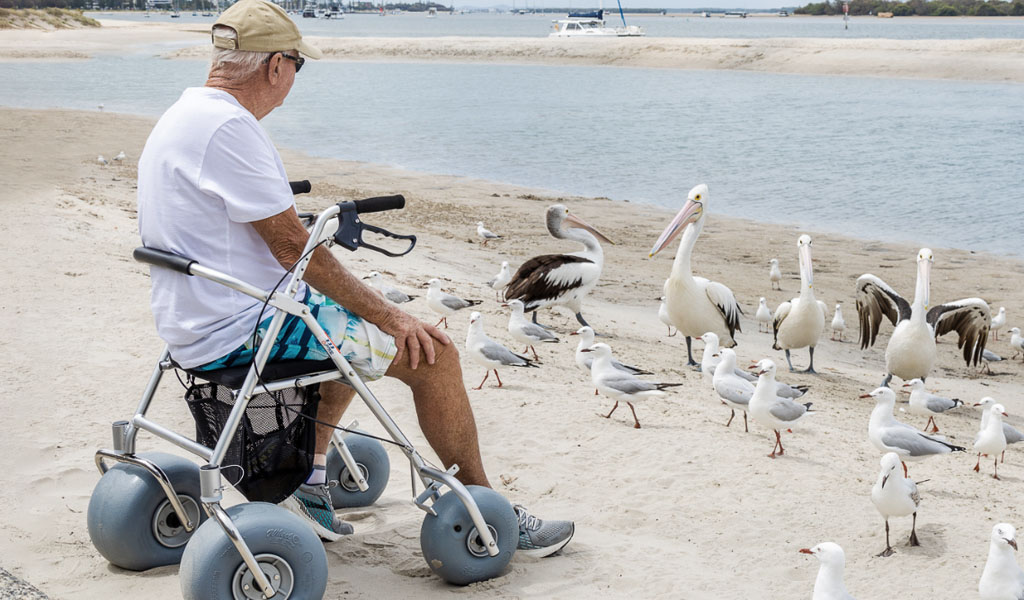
x=806, y=551
x=864, y=396
x=690, y=213
x=884, y=479
x=1012, y=543
x=574, y=221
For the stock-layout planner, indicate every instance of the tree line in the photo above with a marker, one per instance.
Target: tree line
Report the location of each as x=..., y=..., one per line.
x=924, y=8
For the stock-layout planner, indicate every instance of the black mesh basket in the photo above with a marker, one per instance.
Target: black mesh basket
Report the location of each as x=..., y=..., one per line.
x=273, y=445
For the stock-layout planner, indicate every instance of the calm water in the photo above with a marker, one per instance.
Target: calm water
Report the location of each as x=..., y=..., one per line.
x=483, y=24
x=934, y=162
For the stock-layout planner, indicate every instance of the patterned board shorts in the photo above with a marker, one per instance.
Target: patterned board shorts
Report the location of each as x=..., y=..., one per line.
x=368, y=349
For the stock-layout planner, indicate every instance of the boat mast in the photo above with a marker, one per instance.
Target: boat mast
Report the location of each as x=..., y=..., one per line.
x=621, y=15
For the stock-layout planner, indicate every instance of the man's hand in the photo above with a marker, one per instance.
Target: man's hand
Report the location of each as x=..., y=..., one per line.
x=412, y=336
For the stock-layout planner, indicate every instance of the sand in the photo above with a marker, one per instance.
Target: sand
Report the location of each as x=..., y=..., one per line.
x=969, y=60
x=681, y=508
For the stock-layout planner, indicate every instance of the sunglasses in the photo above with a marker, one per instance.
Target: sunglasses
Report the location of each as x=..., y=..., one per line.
x=299, y=61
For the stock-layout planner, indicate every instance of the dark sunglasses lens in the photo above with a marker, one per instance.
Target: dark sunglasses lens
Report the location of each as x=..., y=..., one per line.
x=298, y=64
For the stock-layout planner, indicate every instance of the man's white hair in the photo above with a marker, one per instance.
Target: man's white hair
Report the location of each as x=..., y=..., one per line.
x=234, y=64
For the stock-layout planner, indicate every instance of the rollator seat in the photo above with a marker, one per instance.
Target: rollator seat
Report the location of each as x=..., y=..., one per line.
x=234, y=377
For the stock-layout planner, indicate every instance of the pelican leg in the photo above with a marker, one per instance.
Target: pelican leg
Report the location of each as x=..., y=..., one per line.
x=583, y=322
x=791, y=369
x=609, y=415
x=689, y=354
x=886, y=380
x=727, y=423
x=499, y=378
x=888, y=547
x=810, y=369
x=486, y=375
x=913, y=532
x=636, y=422
x=538, y=324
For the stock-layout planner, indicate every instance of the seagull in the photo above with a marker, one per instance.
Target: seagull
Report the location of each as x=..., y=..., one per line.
x=695, y=304
x=988, y=357
x=911, y=350
x=120, y=156
x=489, y=353
x=895, y=495
x=889, y=435
x=100, y=106
x=763, y=316
x=712, y=356
x=771, y=411
x=391, y=293
x=1017, y=343
x=619, y=386
x=838, y=323
x=990, y=440
x=663, y=316
x=102, y=160
x=445, y=304
x=561, y=279
x=485, y=234
x=734, y=390
x=997, y=322
x=928, y=405
x=1011, y=434
x=584, y=360
x=524, y=331
x=775, y=274
x=829, y=583
x=501, y=280
x=799, y=322
x=1002, y=578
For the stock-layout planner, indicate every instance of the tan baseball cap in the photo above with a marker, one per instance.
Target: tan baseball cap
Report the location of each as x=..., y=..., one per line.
x=262, y=27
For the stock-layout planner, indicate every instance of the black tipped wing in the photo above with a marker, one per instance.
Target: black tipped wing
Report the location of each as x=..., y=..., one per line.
x=876, y=299
x=970, y=318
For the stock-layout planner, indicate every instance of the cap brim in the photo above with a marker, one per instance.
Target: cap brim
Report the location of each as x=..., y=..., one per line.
x=309, y=51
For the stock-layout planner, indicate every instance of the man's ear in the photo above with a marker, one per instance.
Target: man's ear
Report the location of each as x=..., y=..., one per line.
x=274, y=68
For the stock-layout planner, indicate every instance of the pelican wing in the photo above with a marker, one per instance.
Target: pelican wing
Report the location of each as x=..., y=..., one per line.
x=724, y=300
x=541, y=278
x=874, y=299
x=971, y=320
x=780, y=315
x=787, y=410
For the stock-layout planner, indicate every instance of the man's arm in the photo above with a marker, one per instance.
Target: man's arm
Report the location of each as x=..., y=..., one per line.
x=286, y=237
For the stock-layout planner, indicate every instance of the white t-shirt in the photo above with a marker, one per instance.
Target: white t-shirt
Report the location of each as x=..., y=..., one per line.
x=207, y=171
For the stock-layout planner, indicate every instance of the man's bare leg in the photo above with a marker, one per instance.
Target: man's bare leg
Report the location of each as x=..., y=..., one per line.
x=334, y=400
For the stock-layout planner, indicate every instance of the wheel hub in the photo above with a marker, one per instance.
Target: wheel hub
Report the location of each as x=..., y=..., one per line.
x=277, y=570
x=475, y=545
x=168, y=528
x=346, y=481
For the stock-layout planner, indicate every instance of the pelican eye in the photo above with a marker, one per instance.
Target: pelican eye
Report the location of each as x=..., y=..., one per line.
x=697, y=198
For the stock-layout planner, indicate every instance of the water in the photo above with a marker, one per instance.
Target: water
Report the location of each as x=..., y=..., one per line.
x=936, y=163
x=539, y=25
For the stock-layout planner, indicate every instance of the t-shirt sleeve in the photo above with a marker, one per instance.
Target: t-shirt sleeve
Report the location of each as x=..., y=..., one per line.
x=242, y=168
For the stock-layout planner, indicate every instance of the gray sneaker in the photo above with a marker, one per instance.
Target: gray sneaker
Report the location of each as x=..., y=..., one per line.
x=539, y=538
x=313, y=504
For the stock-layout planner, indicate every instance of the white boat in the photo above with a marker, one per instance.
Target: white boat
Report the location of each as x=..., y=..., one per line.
x=735, y=14
x=592, y=25
x=432, y=13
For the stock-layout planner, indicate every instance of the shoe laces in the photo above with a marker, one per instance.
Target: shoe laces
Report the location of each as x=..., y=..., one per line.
x=526, y=520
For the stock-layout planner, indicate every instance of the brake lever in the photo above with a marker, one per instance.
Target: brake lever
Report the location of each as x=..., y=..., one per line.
x=350, y=233
x=385, y=232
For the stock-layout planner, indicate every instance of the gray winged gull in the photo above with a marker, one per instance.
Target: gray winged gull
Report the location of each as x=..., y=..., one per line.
x=445, y=304
x=488, y=353
x=620, y=386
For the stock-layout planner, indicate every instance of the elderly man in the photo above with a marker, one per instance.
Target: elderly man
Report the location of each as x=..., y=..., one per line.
x=213, y=187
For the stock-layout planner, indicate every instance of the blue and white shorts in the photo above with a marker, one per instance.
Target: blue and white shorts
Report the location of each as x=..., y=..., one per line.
x=368, y=349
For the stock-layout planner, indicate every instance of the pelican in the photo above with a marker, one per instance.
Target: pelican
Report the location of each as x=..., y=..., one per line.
x=560, y=279
x=696, y=305
x=998, y=321
x=774, y=274
x=911, y=350
x=838, y=323
x=763, y=316
x=799, y=322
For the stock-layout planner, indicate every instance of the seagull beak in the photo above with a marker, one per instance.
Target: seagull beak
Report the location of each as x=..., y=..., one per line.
x=690, y=213
x=367, y=277
x=586, y=350
x=906, y=385
x=864, y=396
x=575, y=221
x=1005, y=415
x=806, y=551
x=505, y=305
x=1012, y=543
x=760, y=373
x=574, y=333
x=752, y=367
x=977, y=403
x=884, y=479
x=715, y=355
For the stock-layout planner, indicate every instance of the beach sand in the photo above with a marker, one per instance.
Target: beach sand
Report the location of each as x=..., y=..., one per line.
x=682, y=508
x=969, y=60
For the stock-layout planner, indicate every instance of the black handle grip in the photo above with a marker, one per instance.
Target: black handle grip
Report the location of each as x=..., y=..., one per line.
x=380, y=203
x=161, y=258
x=300, y=187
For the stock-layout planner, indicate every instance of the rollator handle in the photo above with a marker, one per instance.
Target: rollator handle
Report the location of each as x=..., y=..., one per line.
x=380, y=204
x=300, y=187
